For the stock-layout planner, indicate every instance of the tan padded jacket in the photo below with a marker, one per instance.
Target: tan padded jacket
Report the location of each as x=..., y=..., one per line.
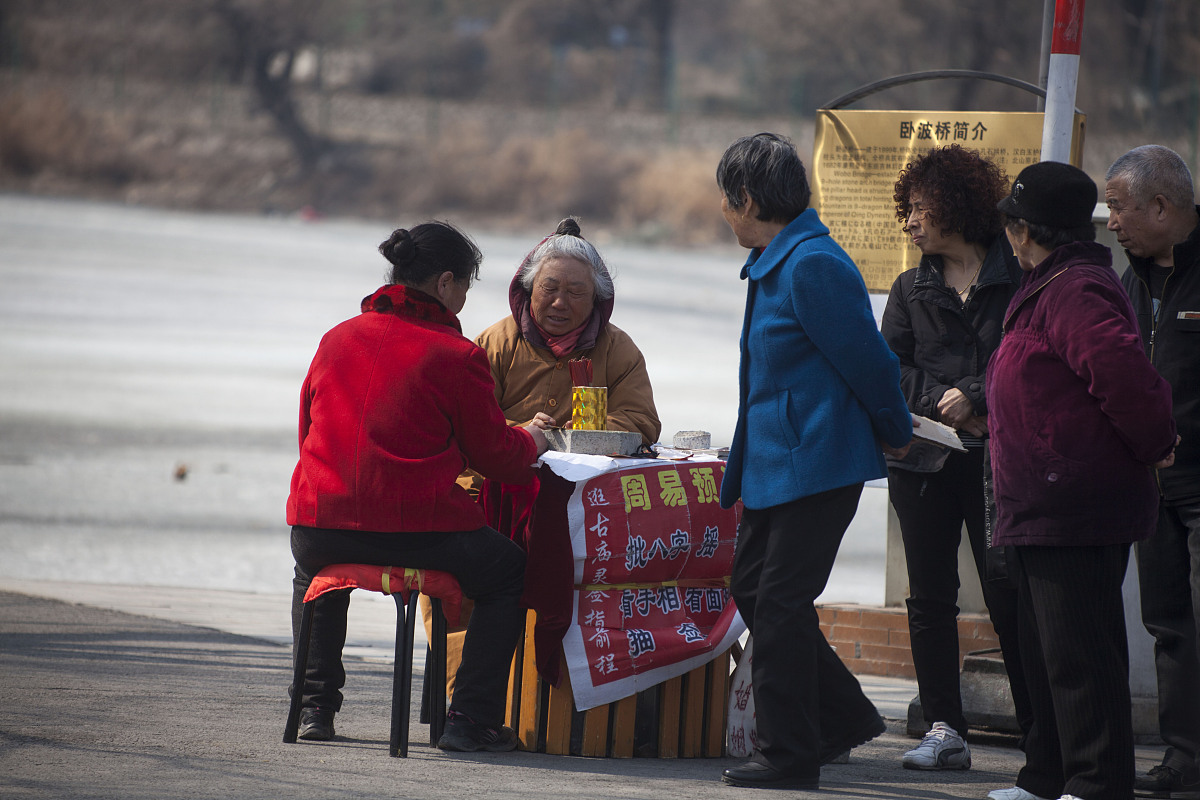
x=530, y=379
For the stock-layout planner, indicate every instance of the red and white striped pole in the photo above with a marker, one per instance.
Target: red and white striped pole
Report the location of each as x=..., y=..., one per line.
x=1061, y=81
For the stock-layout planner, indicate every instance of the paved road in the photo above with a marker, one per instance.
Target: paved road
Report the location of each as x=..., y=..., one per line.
x=100, y=704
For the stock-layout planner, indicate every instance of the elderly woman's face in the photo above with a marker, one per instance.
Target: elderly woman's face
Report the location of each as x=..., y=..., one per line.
x=740, y=222
x=563, y=295
x=1018, y=238
x=924, y=229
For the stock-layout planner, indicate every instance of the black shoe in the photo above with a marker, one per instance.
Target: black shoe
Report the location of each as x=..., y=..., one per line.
x=1168, y=782
x=864, y=733
x=465, y=735
x=760, y=776
x=316, y=724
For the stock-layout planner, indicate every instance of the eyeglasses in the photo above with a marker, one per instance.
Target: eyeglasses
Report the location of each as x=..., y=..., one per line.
x=914, y=213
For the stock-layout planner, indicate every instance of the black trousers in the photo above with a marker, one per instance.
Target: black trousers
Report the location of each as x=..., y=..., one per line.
x=802, y=691
x=1073, y=645
x=932, y=508
x=1169, y=574
x=489, y=567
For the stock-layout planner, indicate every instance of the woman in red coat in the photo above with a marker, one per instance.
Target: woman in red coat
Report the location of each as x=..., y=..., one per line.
x=396, y=404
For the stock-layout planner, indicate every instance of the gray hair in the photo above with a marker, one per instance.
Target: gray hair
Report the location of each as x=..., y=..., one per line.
x=770, y=171
x=1153, y=170
x=567, y=243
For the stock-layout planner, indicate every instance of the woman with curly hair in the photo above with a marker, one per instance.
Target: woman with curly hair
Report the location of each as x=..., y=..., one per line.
x=943, y=321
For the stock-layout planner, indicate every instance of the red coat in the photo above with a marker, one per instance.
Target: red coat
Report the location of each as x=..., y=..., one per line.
x=396, y=404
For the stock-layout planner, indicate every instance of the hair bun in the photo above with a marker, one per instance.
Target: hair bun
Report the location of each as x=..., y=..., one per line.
x=399, y=248
x=568, y=227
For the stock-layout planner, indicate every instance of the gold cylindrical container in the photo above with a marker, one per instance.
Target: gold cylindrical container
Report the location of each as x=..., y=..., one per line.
x=589, y=408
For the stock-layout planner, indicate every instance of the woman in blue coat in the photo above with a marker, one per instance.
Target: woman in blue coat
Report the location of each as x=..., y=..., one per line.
x=819, y=404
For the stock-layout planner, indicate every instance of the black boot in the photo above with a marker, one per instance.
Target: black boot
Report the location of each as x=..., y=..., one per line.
x=316, y=724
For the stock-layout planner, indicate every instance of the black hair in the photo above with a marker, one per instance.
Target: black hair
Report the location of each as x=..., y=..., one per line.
x=767, y=167
x=1052, y=238
x=569, y=227
x=428, y=250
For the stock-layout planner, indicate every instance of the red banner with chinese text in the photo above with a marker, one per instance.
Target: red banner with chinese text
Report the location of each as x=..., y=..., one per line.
x=653, y=551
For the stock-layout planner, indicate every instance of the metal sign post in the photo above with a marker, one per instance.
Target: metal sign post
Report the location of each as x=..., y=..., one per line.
x=1062, y=80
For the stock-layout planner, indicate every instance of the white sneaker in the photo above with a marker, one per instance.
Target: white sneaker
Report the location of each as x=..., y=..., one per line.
x=1070, y=797
x=942, y=748
x=1013, y=793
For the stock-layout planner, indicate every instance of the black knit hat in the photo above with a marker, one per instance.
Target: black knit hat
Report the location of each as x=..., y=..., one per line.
x=1053, y=194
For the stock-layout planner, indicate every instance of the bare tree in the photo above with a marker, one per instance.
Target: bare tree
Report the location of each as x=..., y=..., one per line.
x=268, y=35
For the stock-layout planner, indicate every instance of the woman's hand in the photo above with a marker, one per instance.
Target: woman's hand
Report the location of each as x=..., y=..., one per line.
x=536, y=428
x=1170, y=459
x=539, y=437
x=542, y=421
x=955, y=408
x=900, y=452
x=976, y=426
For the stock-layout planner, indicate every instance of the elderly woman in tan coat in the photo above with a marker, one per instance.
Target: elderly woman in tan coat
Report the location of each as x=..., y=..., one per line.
x=561, y=299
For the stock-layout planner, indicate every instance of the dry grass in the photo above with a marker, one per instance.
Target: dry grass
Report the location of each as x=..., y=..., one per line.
x=43, y=132
x=65, y=139
x=629, y=175
x=664, y=195
x=674, y=196
x=530, y=176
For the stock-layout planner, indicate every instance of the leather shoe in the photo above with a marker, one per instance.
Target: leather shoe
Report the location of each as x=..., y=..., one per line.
x=755, y=775
x=1168, y=782
x=316, y=724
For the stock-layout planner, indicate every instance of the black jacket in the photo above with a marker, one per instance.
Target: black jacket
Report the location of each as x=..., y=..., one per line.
x=1173, y=345
x=942, y=343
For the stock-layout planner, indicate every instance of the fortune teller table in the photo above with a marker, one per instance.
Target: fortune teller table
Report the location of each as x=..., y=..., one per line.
x=628, y=581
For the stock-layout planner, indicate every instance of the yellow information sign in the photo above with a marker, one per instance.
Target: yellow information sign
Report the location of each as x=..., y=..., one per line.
x=857, y=156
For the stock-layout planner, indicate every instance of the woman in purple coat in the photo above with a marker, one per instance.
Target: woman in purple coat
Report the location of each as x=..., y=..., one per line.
x=1078, y=418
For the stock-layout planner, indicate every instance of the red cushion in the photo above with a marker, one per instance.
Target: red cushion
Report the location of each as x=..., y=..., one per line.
x=390, y=580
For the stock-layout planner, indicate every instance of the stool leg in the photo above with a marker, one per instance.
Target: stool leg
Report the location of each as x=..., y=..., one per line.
x=402, y=674
x=436, y=681
x=300, y=673
x=427, y=688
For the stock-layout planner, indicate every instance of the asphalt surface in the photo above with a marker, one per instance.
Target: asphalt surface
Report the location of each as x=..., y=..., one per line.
x=97, y=703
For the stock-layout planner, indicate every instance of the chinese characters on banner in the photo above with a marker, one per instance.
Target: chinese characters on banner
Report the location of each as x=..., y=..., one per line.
x=857, y=156
x=653, y=551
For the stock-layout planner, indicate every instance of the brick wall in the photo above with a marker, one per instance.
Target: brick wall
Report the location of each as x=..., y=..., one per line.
x=872, y=640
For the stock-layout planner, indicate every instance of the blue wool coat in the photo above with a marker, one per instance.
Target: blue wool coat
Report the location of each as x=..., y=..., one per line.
x=819, y=387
